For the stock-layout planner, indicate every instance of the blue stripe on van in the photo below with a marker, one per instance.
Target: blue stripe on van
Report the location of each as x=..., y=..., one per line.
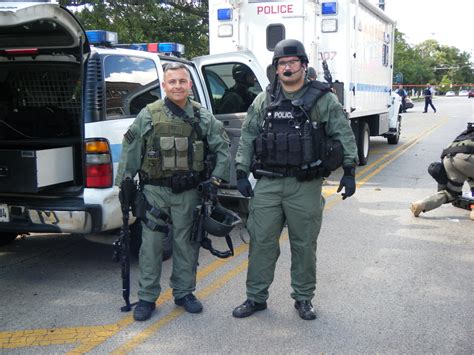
x=116, y=152
x=369, y=87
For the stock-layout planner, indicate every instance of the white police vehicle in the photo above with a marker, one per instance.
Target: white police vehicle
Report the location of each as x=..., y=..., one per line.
x=64, y=107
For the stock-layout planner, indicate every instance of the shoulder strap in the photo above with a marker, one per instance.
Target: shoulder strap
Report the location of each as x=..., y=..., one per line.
x=315, y=91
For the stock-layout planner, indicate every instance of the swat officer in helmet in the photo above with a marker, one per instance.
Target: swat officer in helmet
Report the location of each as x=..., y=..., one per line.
x=280, y=143
x=239, y=97
x=166, y=146
x=455, y=168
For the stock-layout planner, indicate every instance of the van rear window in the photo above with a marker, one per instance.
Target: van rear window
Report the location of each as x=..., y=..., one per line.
x=37, y=34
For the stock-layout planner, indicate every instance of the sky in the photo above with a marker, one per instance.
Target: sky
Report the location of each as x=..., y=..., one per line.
x=450, y=22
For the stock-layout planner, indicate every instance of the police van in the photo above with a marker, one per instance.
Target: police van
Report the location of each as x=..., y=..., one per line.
x=354, y=38
x=66, y=99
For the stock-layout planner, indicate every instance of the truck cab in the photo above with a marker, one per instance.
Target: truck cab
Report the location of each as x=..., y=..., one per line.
x=66, y=101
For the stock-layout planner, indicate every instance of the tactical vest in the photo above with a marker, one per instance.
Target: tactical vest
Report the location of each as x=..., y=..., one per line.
x=464, y=143
x=174, y=146
x=289, y=139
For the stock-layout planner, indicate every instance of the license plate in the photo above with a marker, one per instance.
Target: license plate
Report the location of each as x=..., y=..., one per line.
x=4, y=214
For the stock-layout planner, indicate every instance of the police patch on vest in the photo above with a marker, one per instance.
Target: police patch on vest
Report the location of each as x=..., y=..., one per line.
x=282, y=115
x=129, y=136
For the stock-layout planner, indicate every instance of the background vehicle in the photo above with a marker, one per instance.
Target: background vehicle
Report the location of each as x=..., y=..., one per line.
x=408, y=103
x=64, y=107
x=355, y=38
x=471, y=93
x=463, y=93
x=450, y=93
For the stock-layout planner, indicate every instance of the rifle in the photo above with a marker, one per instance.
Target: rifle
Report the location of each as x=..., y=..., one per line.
x=128, y=190
x=203, y=211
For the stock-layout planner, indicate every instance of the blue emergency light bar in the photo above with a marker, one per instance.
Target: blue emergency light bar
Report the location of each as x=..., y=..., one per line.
x=102, y=37
x=171, y=48
x=329, y=8
x=224, y=14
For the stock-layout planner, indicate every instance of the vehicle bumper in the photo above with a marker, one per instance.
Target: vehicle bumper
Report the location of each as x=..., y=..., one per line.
x=32, y=217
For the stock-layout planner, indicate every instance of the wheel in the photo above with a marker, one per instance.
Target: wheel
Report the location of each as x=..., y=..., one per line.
x=7, y=238
x=136, y=241
x=396, y=137
x=363, y=143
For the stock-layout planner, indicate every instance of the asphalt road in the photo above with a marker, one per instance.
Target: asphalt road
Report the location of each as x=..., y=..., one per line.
x=387, y=282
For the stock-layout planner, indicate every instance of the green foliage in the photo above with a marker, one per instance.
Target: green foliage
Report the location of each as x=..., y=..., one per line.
x=431, y=62
x=150, y=21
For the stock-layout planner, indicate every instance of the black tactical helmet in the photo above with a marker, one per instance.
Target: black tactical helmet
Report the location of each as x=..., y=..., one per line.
x=289, y=48
x=240, y=71
x=221, y=221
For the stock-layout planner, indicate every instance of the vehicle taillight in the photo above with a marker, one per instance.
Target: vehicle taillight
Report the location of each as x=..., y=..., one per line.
x=98, y=166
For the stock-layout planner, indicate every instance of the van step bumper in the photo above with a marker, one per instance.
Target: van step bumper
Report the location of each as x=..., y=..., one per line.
x=53, y=219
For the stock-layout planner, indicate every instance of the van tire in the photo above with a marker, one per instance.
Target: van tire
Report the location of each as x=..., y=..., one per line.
x=7, y=238
x=363, y=143
x=396, y=137
x=136, y=241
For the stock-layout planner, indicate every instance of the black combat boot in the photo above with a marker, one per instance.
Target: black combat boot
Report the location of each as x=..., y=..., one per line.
x=143, y=310
x=305, y=310
x=190, y=303
x=248, y=308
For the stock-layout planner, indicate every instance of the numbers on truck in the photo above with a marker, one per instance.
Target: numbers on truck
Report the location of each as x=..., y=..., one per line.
x=327, y=55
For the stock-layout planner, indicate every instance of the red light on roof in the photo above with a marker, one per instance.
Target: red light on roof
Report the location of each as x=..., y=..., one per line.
x=152, y=47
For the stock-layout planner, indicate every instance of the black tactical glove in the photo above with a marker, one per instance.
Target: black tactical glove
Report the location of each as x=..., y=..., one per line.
x=211, y=187
x=348, y=181
x=243, y=184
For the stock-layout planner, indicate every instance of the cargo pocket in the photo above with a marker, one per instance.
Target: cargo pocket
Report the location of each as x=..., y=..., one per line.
x=294, y=150
x=181, y=144
x=168, y=152
x=198, y=156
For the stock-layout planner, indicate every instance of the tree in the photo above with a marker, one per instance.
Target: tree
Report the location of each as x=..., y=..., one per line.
x=138, y=21
x=431, y=62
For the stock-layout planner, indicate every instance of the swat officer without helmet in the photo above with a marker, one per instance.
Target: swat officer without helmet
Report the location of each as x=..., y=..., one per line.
x=456, y=167
x=166, y=146
x=273, y=145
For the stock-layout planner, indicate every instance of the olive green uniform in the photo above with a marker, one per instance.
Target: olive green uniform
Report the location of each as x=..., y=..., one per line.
x=279, y=199
x=179, y=206
x=459, y=168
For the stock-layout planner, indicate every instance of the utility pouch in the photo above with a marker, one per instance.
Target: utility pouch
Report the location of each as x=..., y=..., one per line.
x=198, y=156
x=260, y=147
x=294, y=149
x=152, y=162
x=308, y=148
x=181, y=144
x=334, y=155
x=168, y=153
x=140, y=205
x=271, y=148
x=281, y=149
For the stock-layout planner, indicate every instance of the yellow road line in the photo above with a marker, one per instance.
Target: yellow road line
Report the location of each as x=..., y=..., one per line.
x=90, y=337
x=206, y=292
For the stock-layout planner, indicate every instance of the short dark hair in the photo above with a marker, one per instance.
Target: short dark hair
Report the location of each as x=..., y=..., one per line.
x=174, y=66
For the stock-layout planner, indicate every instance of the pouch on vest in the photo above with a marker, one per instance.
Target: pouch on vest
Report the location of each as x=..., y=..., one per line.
x=152, y=161
x=294, y=149
x=271, y=148
x=260, y=147
x=181, y=145
x=198, y=156
x=333, y=154
x=168, y=153
x=281, y=149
